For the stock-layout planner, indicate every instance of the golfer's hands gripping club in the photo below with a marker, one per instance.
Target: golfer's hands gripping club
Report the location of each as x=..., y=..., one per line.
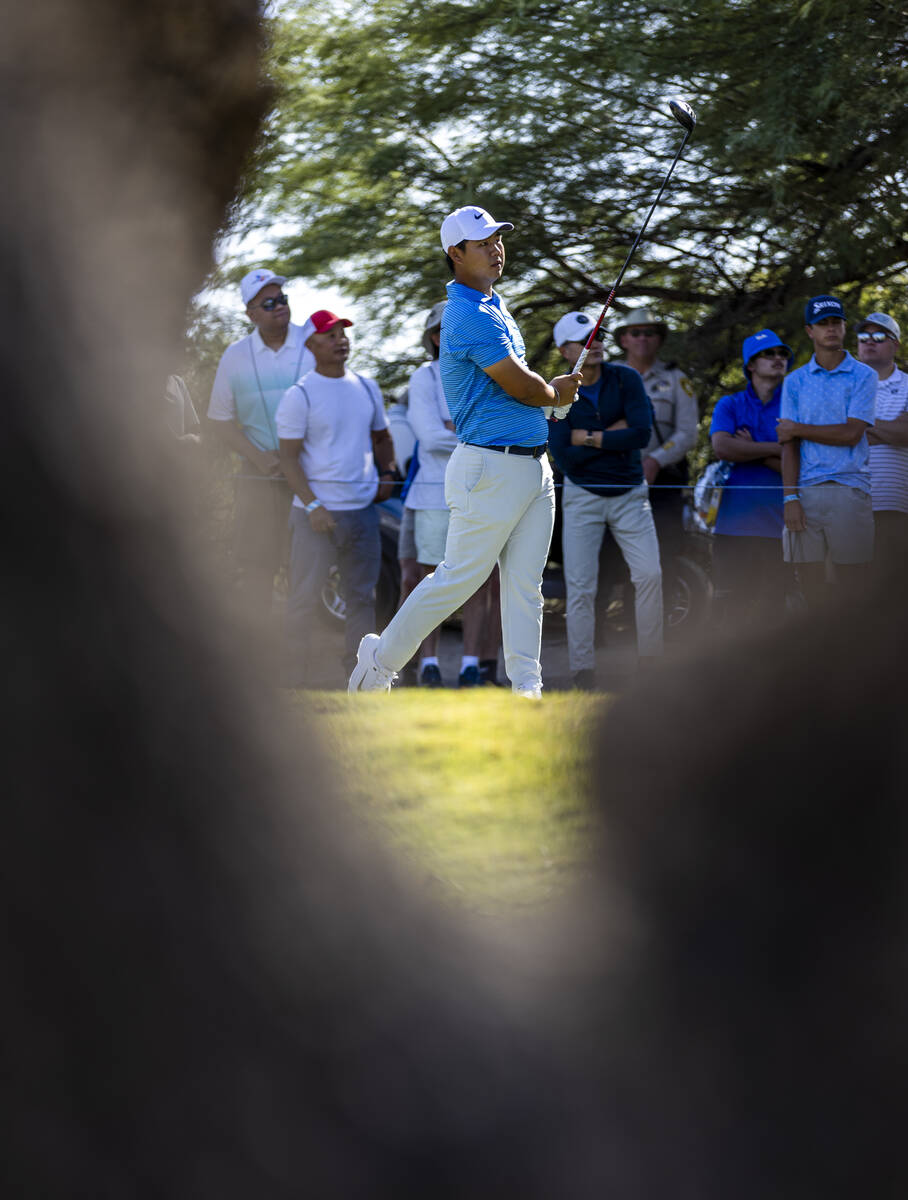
x=566, y=386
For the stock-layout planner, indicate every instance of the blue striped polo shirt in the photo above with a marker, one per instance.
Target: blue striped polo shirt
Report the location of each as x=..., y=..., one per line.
x=477, y=331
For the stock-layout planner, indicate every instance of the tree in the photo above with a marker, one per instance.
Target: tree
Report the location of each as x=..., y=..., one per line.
x=553, y=116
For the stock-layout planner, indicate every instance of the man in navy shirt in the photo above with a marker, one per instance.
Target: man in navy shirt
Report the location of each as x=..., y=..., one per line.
x=749, y=574
x=498, y=483
x=597, y=447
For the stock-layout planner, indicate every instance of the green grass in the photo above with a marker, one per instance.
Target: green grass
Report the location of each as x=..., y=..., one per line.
x=484, y=794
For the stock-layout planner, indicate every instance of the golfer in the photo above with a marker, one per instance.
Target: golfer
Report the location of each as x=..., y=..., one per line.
x=498, y=483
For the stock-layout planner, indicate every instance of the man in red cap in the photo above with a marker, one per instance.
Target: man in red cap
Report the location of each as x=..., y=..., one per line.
x=338, y=457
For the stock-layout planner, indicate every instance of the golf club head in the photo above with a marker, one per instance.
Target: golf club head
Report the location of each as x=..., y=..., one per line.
x=683, y=114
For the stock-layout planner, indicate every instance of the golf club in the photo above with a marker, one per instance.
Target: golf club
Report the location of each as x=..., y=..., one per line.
x=685, y=116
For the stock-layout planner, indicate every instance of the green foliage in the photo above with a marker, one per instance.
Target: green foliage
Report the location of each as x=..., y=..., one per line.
x=553, y=116
x=209, y=332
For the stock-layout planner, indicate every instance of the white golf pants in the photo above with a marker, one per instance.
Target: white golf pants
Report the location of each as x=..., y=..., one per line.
x=502, y=510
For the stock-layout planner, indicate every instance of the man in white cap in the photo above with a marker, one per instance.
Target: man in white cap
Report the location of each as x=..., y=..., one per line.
x=338, y=457
x=251, y=378
x=879, y=338
x=597, y=447
x=498, y=483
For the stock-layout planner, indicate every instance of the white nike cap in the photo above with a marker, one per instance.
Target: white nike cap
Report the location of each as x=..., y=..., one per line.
x=469, y=224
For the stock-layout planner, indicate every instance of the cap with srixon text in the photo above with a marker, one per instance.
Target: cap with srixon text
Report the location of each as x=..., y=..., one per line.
x=470, y=224
x=819, y=307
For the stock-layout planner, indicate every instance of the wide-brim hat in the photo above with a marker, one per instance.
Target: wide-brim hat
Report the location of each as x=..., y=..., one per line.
x=639, y=316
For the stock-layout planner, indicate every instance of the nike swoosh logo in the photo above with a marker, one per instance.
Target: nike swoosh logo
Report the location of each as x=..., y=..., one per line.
x=478, y=216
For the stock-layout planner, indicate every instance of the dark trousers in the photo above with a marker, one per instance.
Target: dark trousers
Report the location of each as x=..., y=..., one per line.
x=750, y=581
x=890, y=541
x=354, y=546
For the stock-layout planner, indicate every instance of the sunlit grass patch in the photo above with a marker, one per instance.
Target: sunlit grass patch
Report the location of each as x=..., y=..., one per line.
x=483, y=793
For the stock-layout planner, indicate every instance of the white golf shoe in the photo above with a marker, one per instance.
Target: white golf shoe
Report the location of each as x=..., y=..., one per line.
x=529, y=691
x=368, y=675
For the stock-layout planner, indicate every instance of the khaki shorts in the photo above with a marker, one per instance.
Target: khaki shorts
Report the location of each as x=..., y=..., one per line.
x=839, y=524
x=431, y=529
x=406, y=542
x=262, y=537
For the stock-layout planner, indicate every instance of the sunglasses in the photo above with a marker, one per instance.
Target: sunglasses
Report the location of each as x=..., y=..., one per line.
x=273, y=302
x=877, y=336
x=776, y=352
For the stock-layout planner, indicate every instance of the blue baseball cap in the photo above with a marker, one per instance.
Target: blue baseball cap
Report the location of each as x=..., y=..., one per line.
x=819, y=307
x=764, y=340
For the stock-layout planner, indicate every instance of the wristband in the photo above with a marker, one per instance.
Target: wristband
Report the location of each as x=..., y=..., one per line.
x=386, y=474
x=311, y=507
x=793, y=496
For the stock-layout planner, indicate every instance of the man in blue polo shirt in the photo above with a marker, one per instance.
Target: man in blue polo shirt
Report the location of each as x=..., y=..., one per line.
x=749, y=575
x=827, y=406
x=498, y=483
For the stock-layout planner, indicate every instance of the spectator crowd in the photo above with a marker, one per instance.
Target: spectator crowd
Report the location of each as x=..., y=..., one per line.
x=815, y=491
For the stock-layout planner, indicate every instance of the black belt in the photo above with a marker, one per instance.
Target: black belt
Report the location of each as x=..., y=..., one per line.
x=528, y=451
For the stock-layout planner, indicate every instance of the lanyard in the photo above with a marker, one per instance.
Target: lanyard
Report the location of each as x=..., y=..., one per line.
x=258, y=381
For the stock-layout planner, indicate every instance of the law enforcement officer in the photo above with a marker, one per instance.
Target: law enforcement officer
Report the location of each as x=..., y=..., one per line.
x=640, y=336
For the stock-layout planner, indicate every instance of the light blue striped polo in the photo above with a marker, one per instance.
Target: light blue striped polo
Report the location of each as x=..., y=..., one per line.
x=812, y=395
x=477, y=331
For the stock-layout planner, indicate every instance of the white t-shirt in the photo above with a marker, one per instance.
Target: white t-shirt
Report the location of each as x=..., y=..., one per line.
x=402, y=435
x=428, y=411
x=889, y=464
x=336, y=419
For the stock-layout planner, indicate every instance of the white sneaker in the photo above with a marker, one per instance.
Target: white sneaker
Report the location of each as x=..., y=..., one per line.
x=529, y=691
x=367, y=675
